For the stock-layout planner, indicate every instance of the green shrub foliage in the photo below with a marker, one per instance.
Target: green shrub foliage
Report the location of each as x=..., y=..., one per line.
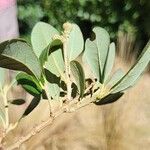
x=50, y=70
x=114, y=15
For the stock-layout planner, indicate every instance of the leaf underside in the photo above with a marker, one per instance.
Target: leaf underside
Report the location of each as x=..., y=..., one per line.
x=52, y=84
x=134, y=73
x=76, y=43
x=41, y=36
x=79, y=76
x=98, y=55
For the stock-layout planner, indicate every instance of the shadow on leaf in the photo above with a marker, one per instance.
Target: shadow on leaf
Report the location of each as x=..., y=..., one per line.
x=110, y=98
x=52, y=78
x=35, y=101
x=17, y=101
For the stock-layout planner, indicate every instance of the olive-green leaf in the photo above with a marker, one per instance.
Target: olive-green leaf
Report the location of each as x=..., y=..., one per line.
x=53, y=90
x=17, y=101
x=79, y=76
x=17, y=54
x=115, y=77
x=54, y=70
x=44, y=55
x=41, y=36
x=91, y=57
x=111, y=98
x=29, y=83
x=102, y=41
x=34, y=103
x=54, y=45
x=55, y=63
x=109, y=61
x=134, y=73
x=52, y=84
x=76, y=43
x=97, y=52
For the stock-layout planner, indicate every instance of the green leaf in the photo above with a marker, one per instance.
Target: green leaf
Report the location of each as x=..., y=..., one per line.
x=75, y=90
x=18, y=55
x=54, y=70
x=17, y=101
x=44, y=55
x=55, y=45
x=134, y=73
x=79, y=76
x=109, y=98
x=53, y=85
x=76, y=43
x=55, y=63
x=91, y=57
x=54, y=90
x=109, y=61
x=41, y=36
x=29, y=83
x=115, y=77
x=102, y=42
x=35, y=101
x=96, y=53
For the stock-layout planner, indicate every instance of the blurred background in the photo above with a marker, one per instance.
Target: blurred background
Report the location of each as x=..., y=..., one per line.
x=123, y=125
x=127, y=21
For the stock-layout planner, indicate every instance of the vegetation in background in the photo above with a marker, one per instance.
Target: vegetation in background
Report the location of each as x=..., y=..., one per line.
x=129, y=16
